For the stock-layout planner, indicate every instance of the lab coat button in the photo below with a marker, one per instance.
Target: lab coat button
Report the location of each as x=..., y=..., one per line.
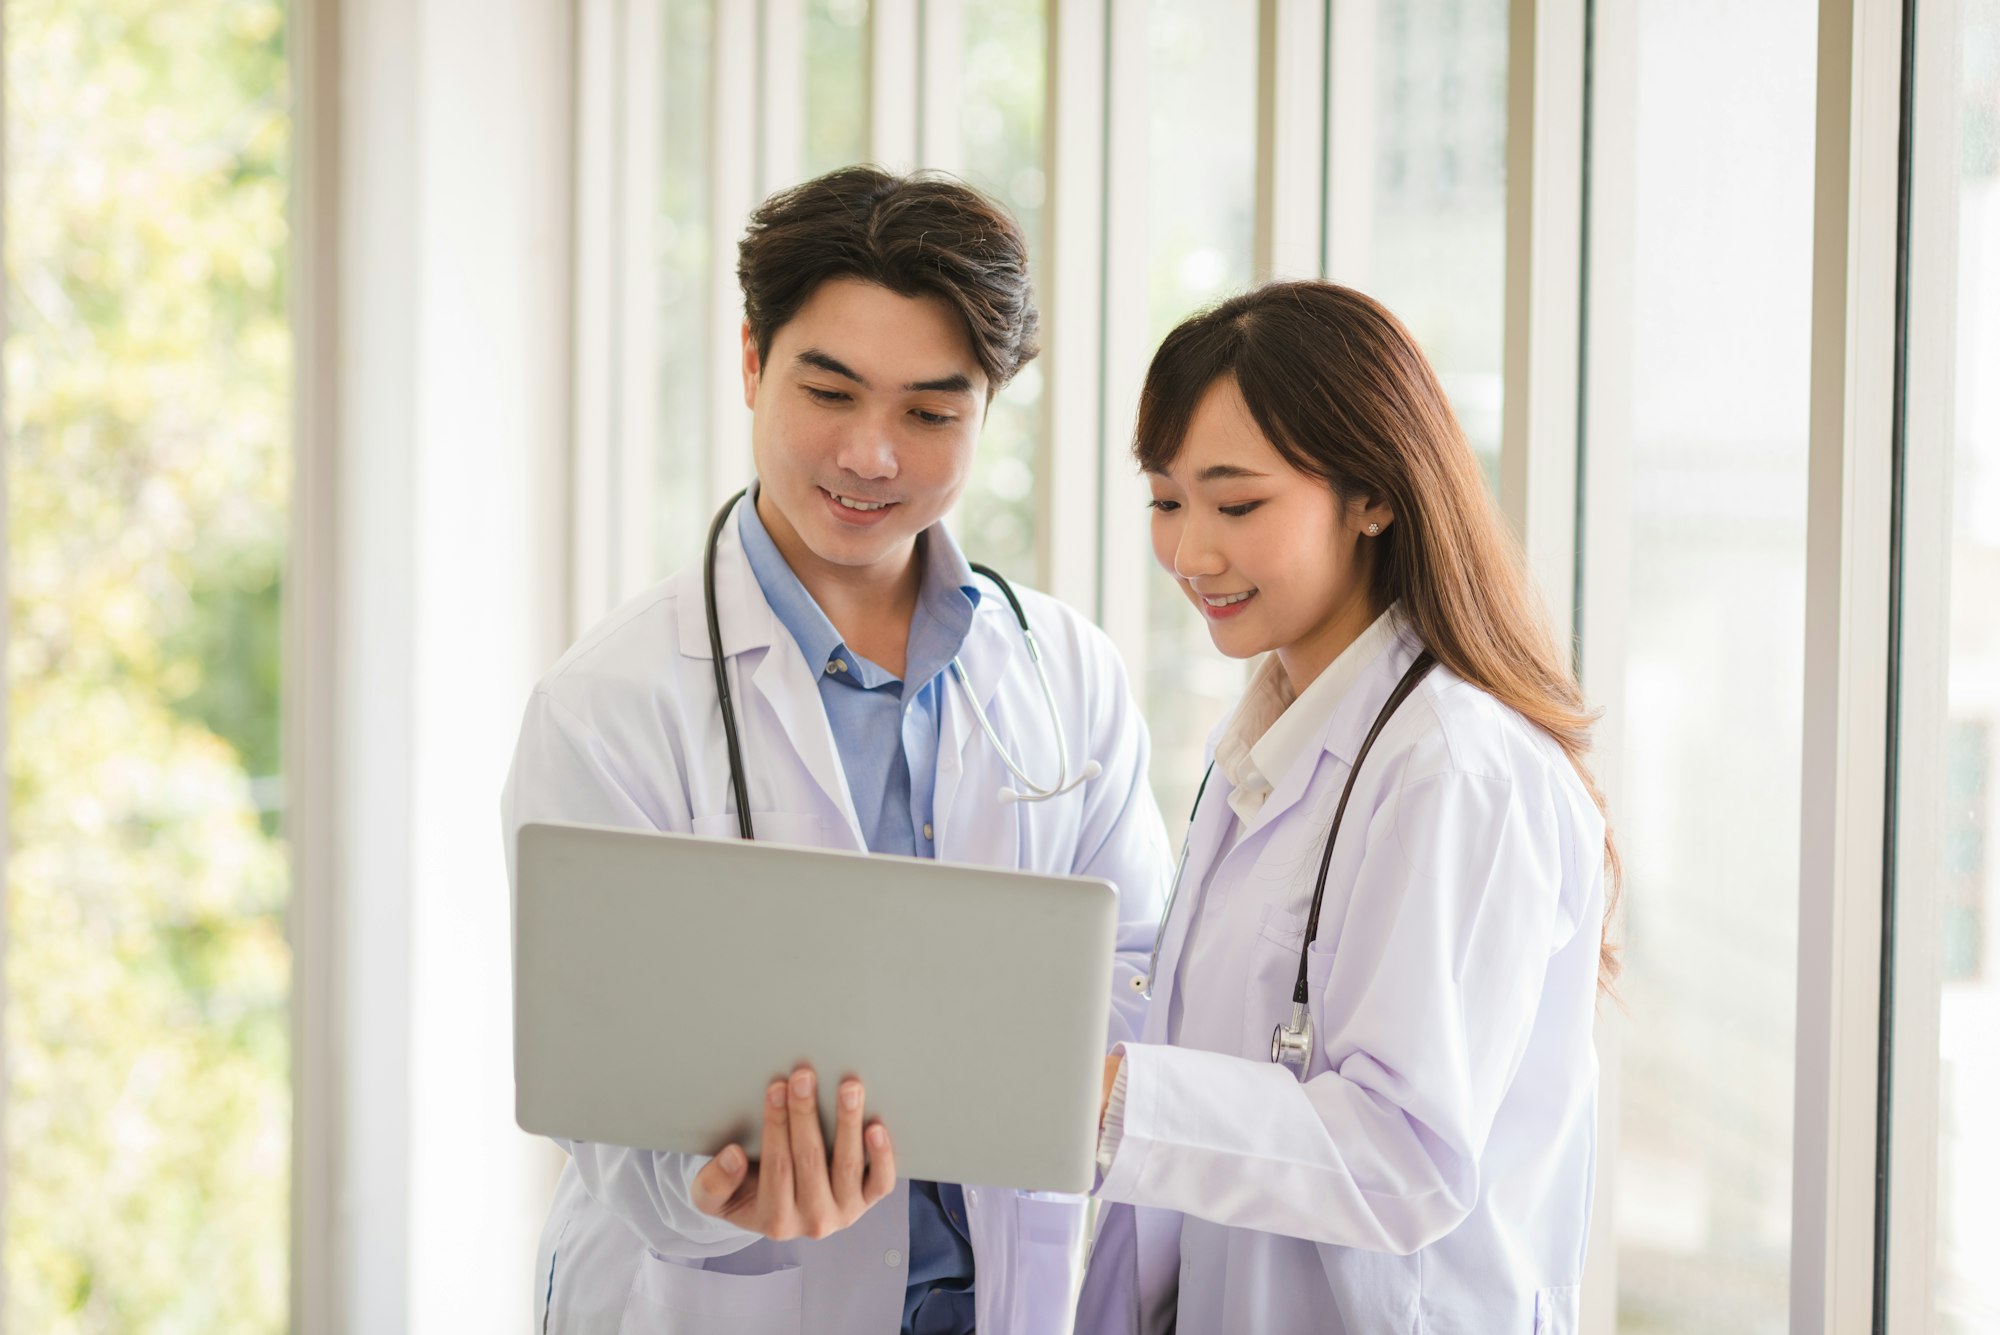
x=892, y=1257
x=1139, y=982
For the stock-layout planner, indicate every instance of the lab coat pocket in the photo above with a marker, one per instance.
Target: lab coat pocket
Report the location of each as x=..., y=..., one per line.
x=1556, y=1310
x=1273, y=958
x=771, y=827
x=668, y=1297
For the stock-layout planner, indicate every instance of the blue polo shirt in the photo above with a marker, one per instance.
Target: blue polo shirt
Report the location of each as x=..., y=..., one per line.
x=886, y=731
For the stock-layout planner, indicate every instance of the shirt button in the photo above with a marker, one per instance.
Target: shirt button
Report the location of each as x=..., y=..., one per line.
x=837, y=665
x=892, y=1257
x=927, y=830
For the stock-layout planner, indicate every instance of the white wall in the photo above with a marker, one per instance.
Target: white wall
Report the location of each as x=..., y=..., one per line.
x=450, y=455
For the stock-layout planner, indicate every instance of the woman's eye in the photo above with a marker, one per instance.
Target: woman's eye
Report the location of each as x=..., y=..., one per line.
x=1164, y=507
x=1238, y=511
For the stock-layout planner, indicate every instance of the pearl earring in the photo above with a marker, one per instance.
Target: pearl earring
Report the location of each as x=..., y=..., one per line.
x=1373, y=529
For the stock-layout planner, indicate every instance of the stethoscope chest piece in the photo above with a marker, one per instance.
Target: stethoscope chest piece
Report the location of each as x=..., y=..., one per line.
x=1291, y=1044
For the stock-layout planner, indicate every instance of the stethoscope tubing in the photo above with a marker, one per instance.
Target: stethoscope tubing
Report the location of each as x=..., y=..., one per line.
x=1287, y=1043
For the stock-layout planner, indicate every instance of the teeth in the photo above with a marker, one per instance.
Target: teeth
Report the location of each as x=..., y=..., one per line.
x=859, y=505
x=1228, y=601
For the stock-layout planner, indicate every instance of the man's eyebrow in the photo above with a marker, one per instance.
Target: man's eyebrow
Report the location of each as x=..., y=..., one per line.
x=959, y=383
x=956, y=383
x=814, y=357
x=1219, y=472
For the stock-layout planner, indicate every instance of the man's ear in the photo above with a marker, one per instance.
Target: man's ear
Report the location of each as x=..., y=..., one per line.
x=753, y=368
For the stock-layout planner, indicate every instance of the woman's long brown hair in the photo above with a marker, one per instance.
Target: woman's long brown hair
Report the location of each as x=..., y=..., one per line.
x=1344, y=394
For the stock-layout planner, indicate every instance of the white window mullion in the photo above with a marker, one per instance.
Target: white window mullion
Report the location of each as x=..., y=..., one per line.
x=893, y=51
x=1349, y=175
x=634, y=494
x=940, y=71
x=1930, y=433
x=1291, y=147
x=319, y=1245
x=1067, y=480
x=1125, y=543
x=595, y=310
x=732, y=195
x=1605, y=539
x=1846, y=665
x=781, y=105
x=1544, y=275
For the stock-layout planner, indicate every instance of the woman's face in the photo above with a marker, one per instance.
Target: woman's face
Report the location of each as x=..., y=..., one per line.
x=1270, y=558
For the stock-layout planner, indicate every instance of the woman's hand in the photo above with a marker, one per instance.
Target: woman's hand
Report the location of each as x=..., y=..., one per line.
x=1111, y=1064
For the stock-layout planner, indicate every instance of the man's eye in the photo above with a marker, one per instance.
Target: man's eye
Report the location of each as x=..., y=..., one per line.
x=826, y=395
x=933, y=419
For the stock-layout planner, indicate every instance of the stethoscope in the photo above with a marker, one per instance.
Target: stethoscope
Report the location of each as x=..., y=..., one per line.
x=1291, y=1044
x=1030, y=791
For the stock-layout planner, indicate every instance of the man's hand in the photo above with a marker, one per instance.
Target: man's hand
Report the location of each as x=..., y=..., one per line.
x=792, y=1191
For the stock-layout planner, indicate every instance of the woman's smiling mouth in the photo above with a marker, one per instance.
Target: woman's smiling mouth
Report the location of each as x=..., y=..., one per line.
x=1221, y=605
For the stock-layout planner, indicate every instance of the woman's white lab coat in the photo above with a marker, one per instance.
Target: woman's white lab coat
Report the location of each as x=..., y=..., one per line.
x=1433, y=1171
x=626, y=731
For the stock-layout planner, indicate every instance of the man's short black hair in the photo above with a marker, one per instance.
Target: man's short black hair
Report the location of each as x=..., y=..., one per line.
x=924, y=234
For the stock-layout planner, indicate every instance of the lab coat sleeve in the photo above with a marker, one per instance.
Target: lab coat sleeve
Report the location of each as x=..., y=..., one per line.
x=1423, y=1021
x=563, y=772
x=1122, y=838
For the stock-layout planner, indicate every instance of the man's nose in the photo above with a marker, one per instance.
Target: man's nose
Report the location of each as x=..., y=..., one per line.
x=869, y=451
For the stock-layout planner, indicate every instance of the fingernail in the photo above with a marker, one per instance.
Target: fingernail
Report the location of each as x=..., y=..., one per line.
x=775, y=1096
x=850, y=1096
x=732, y=1160
x=877, y=1137
x=802, y=1084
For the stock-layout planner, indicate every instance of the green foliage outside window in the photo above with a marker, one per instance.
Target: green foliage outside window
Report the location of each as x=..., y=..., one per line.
x=148, y=378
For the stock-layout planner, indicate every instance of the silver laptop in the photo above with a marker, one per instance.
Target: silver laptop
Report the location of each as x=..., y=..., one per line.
x=661, y=981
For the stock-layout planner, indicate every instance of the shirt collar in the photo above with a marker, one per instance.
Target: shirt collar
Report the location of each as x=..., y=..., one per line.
x=1271, y=728
x=946, y=599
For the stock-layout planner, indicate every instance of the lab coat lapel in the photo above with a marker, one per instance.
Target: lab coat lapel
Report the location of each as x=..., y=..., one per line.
x=1340, y=738
x=781, y=679
x=1211, y=823
x=789, y=687
x=967, y=769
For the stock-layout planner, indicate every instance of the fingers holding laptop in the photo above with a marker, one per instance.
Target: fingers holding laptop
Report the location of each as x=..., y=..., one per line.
x=793, y=1190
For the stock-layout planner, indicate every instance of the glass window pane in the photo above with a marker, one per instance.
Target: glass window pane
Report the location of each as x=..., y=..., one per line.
x=148, y=455
x=1201, y=206
x=1963, y=775
x=1000, y=132
x=1719, y=328
x=1425, y=232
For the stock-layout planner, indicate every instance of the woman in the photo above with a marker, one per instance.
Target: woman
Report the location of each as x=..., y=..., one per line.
x=1429, y=1166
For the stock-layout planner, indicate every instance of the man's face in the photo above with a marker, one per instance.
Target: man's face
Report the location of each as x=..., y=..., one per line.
x=865, y=414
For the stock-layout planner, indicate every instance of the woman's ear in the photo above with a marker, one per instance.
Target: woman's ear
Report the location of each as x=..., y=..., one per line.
x=1370, y=516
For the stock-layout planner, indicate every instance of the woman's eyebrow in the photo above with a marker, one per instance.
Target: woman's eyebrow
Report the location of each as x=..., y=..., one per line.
x=1221, y=472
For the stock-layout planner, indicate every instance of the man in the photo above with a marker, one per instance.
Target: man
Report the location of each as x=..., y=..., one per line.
x=882, y=313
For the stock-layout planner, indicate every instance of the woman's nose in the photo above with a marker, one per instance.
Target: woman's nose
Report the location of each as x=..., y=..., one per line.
x=1195, y=556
